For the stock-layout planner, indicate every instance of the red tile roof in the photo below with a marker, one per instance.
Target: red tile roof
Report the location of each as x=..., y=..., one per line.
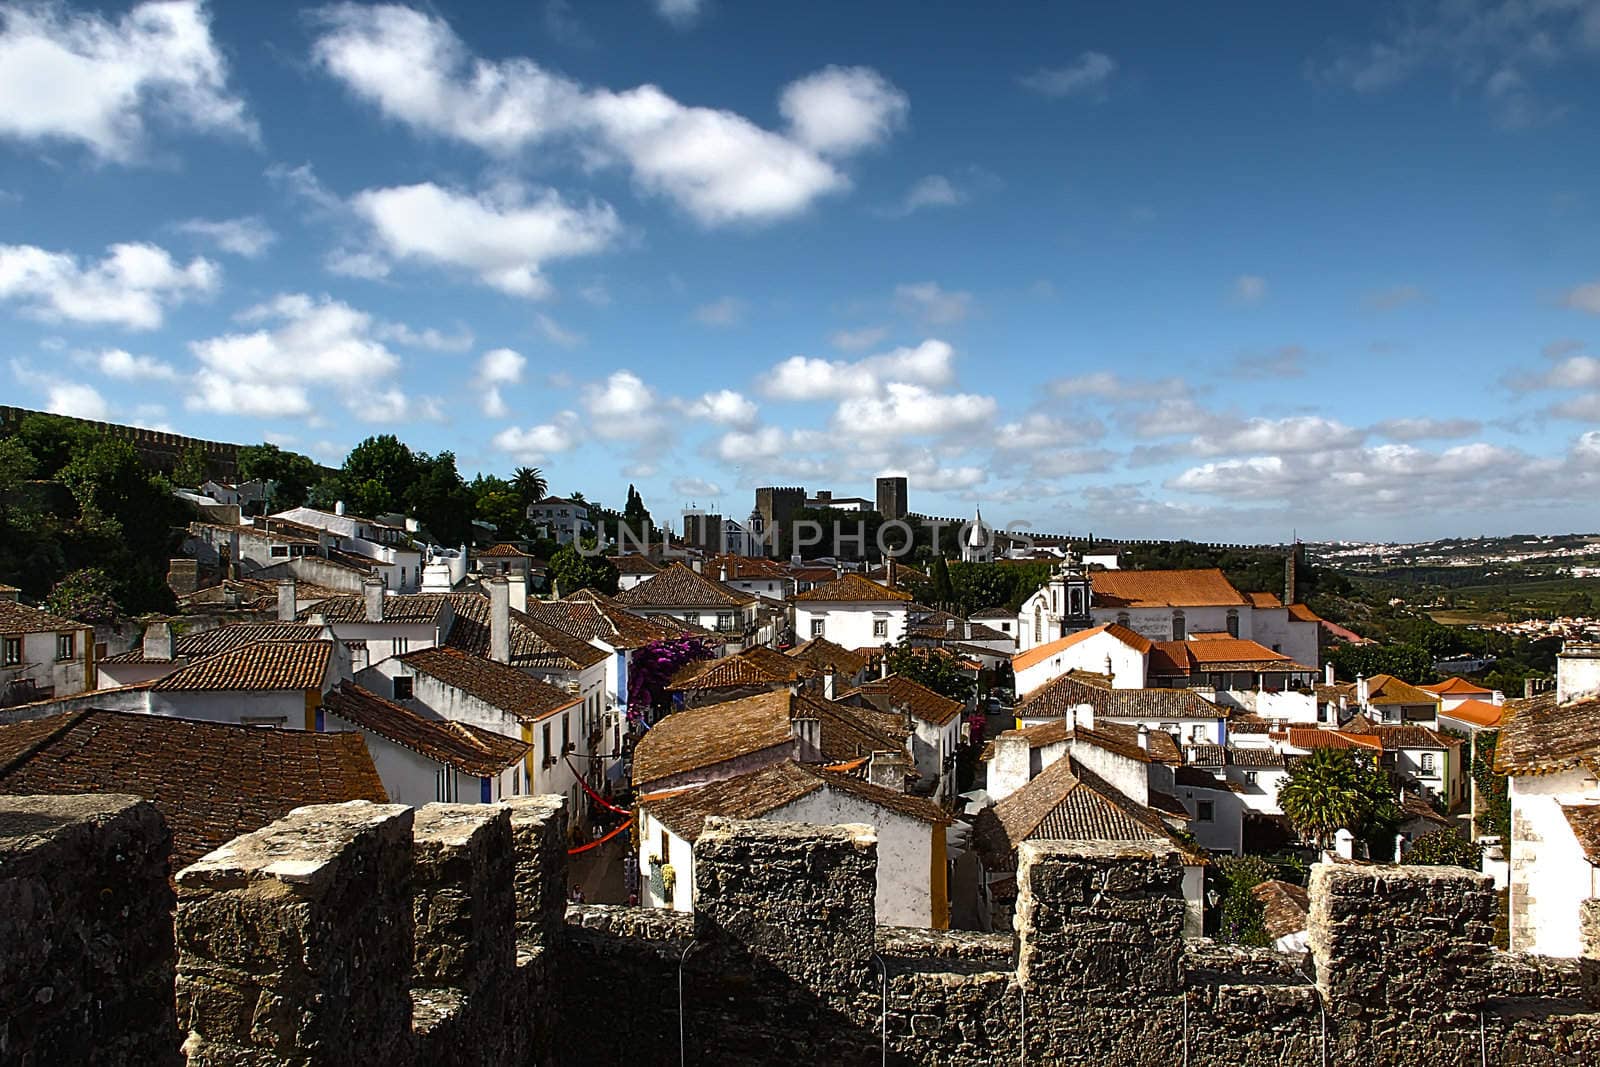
x=265, y=665
x=1264, y=600
x=466, y=748
x=1479, y=713
x=633, y=563
x=680, y=587
x=852, y=588
x=703, y=737
x=16, y=617
x=897, y=693
x=1539, y=736
x=198, y=646
x=1164, y=589
x=504, y=551
x=496, y=684
x=533, y=643
x=212, y=781
x=1310, y=737
x=1137, y=642
x=1456, y=687
x=820, y=653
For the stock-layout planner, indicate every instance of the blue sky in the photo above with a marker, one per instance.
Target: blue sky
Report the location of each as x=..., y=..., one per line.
x=1228, y=273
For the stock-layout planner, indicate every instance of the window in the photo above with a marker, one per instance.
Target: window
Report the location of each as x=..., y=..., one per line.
x=1427, y=763
x=11, y=652
x=1197, y=734
x=403, y=687
x=549, y=757
x=65, y=643
x=280, y=550
x=1038, y=624
x=270, y=722
x=880, y=627
x=1205, y=811
x=401, y=646
x=816, y=627
x=1077, y=602
x=725, y=620
x=1233, y=624
x=566, y=732
x=1179, y=628
x=1250, y=777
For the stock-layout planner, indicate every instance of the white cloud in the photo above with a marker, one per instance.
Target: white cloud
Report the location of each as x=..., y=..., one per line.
x=130, y=287
x=718, y=166
x=396, y=405
x=724, y=406
x=249, y=236
x=429, y=338
x=504, y=236
x=313, y=342
x=764, y=443
x=1296, y=433
x=76, y=76
x=76, y=399
x=913, y=410
x=623, y=408
x=841, y=110
x=804, y=378
x=1085, y=76
x=724, y=312
x=1109, y=385
x=348, y=263
x=935, y=190
x=696, y=488
x=1584, y=297
x=1423, y=429
x=1041, y=431
x=1249, y=289
x=857, y=340
x=555, y=333
x=680, y=13
x=116, y=363
x=499, y=366
x=932, y=304
x=535, y=444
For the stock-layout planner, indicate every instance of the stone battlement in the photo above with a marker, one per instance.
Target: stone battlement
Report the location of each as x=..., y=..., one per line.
x=367, y=933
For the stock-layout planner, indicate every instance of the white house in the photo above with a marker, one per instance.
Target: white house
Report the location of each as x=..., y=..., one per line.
x=561, y=519
x=718, y=741
x=389, y=547
x=1107, y=649
x=912, y=888
x=1183, y=715
x=852, y=611
x=160, y=653
x=753, y=574
x=1215, y=808
x=632, y=569
x=423, y=760
x=935, y=723
x=703, y=602
x=41, y=655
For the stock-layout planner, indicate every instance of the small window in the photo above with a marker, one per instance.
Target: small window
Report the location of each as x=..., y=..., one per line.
x=566, y=732
x=1250, y=777
x=816, y=627
x=548, y=755
x=279, y=551
x=725, y=620
x=1205, y=811
x=401, y=646
x=1179, y=626
x=268, y=722
x=65, y=643
x=880, y=627
x=403, y=687
x=11, y=652
x=1427, y=763
x=1233, y=624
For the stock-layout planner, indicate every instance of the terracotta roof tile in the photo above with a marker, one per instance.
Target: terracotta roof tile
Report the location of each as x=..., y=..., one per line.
x=504, y=551
x=1456, y=687
x=533, y=643
x=497, y=684
x=820, y=653
x=265, y=665
x=1539, y=736
x=680, y=587
x=405, y=607
x=1163, y=589
x=852, y=588
x=1037, y=735
x=1301, y=613
x=1286, y=904
x=1024, y=660
x=212, y=781
x=1059, y=696
x=1063, y=802
x=699, y=738
x=16, y=617
x=198, y=646
x=1387, y=689
x=1310, y=737
x=747, y=668
x=591, y=615
x=1585, y=822
x=633, y=563
x=1476, y=712
x=899, y=694
x=1264, y=600
x=466, y=748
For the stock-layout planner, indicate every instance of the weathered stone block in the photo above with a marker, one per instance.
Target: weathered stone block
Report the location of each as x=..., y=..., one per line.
x=295, y=942
x=86, y=956
x=539, y=838
x=464, y=910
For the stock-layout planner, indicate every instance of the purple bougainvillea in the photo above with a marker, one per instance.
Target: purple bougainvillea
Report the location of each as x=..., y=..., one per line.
x=649, y=671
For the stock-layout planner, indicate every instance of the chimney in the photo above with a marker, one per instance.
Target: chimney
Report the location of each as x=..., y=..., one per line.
x=698, y=566
x=722, y=572
x=1327, y=673
x=519, y=591
x=158, y=641
x=1144, y=737
x=806, y=728
x=949, y=627
x=888, y=769
x=1083, y=716
x=891, y=570
x=288, y=608
x=338, y=507
x=1011, y=766
x=966, y=629
x=1289, y=566
x=829, y=677
x=10, y=593
x=883, y=666
x=1361, y=690
x=1527, y=688
x=372, y=588
x=499, y=620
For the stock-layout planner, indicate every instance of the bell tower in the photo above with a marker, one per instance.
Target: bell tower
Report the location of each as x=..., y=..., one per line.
x=1078, y=594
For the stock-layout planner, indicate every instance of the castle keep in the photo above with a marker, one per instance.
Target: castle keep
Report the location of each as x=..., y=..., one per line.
x=371, y=933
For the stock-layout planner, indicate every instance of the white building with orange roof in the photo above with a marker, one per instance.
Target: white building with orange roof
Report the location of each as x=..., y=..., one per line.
x=852, y=611
x=1107, y=649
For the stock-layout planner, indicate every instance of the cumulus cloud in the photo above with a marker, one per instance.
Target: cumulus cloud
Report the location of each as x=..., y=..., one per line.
x=724, y=312
x=623, y=408
x=349, y=263
x=304, y=342
x=131, y=286
x=1039, y=430
x=1108, y=385
x=1296, y=433
x=78, y=77
x=116, y=363
x=1086, y=77
x=935, y=190
x=536, y=444
x=716, y=165
x=857, y=340
x=764, y=443
x=1584, y=297
x=503, y=236
x=429, y=338
x=1424, y=429
x=931, y=303
x=249, y=236
x=725, y=406
x=839, y=111
x=555, y=333
x=912, y=410
x=78, y=399
x=499, y=366
x=804, y=378
x=696, y=488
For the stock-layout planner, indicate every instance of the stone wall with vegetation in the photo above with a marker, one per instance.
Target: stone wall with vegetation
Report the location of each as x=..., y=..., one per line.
x=374, y=933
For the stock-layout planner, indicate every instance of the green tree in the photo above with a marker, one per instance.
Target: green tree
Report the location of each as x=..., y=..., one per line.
x=1335, y=789
x=944, y=592
x=190, y=471
x=572, y=570
x=636, y=515
x=290, y=474
x=504, y=510
x=17, y=465
x=530, y=484
x=439, y=499
x=933, y=669
x=88, y=595
x=379, y=474
x=1243, y=915
x=1404, y=661
x=52, y=440
x=1445, y=848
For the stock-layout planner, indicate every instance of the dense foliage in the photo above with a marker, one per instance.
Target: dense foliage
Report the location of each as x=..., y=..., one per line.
x=88, y=595
x=651, y=668
x=1242, y=918
x=937, y=671
x=1494, y=801
x=290, y=474
x=572, y=570
x=1445, y=847
x=1337, y=789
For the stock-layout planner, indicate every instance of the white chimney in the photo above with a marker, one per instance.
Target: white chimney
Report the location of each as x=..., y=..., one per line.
x=1144, y=737
x=888, y=769
x=1344, y=843
x=949, y=626
x=158, y=641
x=1327, y=672
x=1083, y=716
x=722, y=573
x=806, y=728
x=883, y=666
x=519, y=591
x=338, y=507
x=287, y=606
x=373, y=590
x=1011, y=765
x=1361, y=690
x=829, y=677
x=499, y=620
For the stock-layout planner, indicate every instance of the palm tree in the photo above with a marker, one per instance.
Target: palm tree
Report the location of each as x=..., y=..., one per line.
x=1322, y=794
x=530, y=484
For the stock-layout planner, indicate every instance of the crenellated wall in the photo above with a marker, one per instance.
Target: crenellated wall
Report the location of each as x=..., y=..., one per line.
x=362, y=933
